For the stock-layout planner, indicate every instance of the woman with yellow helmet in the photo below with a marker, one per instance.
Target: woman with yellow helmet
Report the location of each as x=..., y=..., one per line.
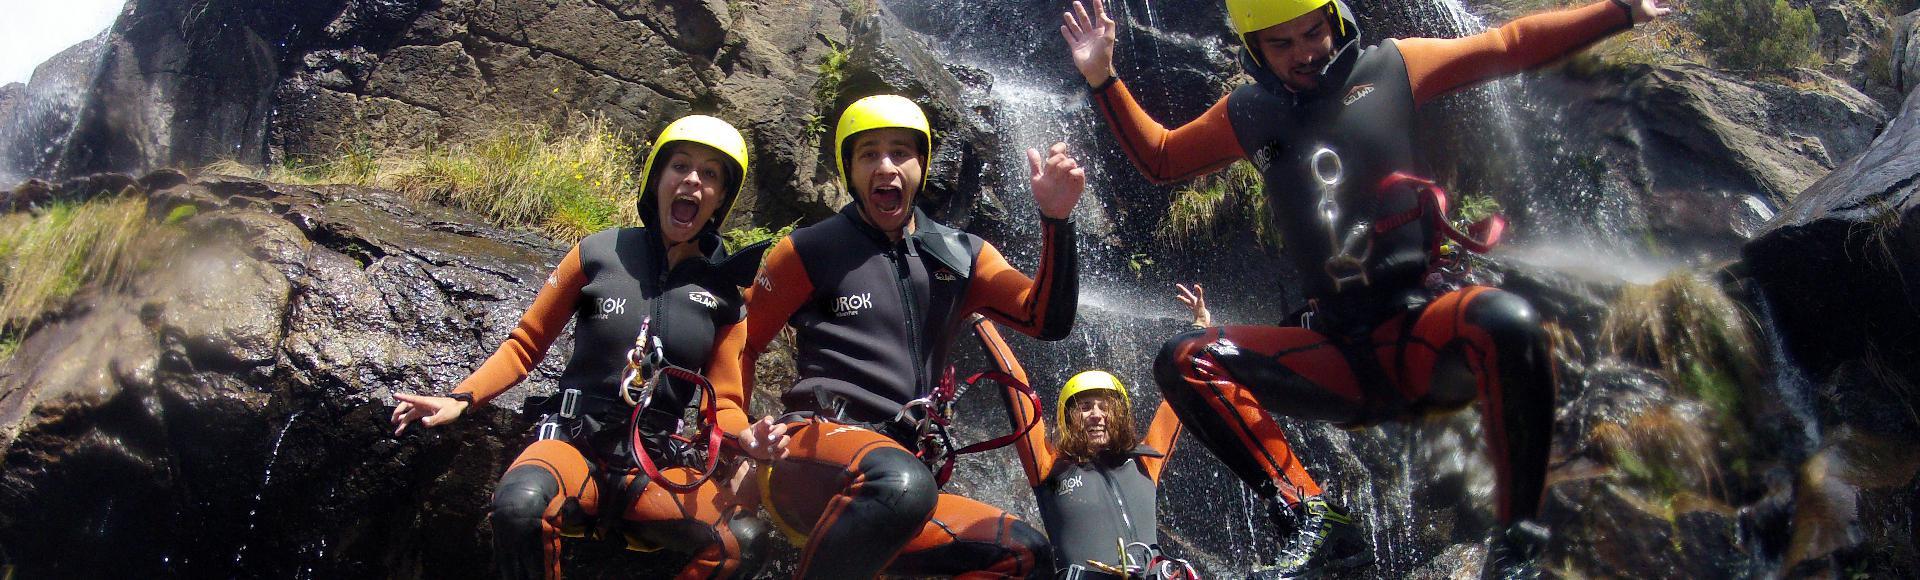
x=670, y=283
x=1327, y=121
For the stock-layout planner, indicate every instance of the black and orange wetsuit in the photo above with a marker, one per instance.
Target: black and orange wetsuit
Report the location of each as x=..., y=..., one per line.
x=875, y=319
x=1381, y=347
x=578, y=471
x=1086, y=505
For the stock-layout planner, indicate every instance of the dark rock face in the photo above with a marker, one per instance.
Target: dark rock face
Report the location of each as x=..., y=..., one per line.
x=1704, y=157
x=1905, y=50
x=245, y=384
x=1839, y=265
x=183, y=83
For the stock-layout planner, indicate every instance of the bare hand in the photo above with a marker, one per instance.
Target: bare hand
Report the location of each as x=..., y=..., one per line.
x=1196, y=299
x=1090, y=41
x=429, y=411
x=765, y=440
x=1057, y=181
x=1647, y=10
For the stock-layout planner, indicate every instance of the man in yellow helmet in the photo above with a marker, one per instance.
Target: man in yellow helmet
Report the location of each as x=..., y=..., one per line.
x=876, y=294
x=1328, y=122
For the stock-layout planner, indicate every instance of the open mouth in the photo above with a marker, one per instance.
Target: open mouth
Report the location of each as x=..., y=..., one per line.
x=683, y=210
x=1096, y=432
x=886, y=198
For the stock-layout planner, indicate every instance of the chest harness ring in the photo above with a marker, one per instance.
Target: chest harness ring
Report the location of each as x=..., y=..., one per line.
x=930, y=416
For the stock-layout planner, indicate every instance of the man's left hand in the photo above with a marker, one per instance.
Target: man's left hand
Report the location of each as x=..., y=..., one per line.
x=1057, y=181
x=1647, y=10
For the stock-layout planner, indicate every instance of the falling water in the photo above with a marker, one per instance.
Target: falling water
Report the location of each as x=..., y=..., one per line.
x=265, y=480
x=33, y=136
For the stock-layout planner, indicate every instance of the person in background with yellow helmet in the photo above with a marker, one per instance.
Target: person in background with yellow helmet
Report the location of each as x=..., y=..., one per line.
x=876, y=294
x=1096, y=482
x=1328, y=121
x=671, y=280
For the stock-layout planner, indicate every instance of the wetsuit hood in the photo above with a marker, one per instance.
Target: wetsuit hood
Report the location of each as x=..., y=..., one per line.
x=1346, y=43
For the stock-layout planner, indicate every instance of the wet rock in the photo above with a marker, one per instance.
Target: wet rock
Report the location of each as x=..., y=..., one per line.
x=1905, y=52
x=1602, y=528
x=1705, y=156
x=884, y=59
x=1838, y=266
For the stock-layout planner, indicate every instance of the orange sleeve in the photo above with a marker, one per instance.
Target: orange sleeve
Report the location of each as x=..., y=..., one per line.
x=527, y=345
x=1437, y=66
x=1034, y=453
x=1194, y=149
x=1042, y=307
x=780, y=289
x=1161, y=436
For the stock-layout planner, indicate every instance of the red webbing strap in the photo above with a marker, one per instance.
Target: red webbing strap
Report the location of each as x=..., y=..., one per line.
x=709, y=423
x=1480, y=237
x=946, y=469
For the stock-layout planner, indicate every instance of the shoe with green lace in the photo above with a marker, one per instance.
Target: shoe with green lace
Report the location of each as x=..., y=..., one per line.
x=1324, y=538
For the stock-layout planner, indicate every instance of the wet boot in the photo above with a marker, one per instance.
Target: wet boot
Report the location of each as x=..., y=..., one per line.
x=1324, y=538
x=1513, y=553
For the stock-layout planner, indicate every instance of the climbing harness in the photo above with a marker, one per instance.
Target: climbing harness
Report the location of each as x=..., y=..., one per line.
x=930, y=416
x=646, y=368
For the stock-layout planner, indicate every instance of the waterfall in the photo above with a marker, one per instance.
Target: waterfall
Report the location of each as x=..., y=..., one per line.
x=33, y=137
x=266, y=479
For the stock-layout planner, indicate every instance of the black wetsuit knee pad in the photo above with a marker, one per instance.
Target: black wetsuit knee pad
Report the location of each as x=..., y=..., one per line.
x=1167, y=371
x=900, y=484
x=755, y=538
x=1508, y=318
x=522, y=497
x=518, y=504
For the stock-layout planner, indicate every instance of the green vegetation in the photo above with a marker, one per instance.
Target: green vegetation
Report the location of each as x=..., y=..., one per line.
x=1469, y=208
x=1660, y=451
x=1699, y=338
x=45, y=257
x=1217, y=203
x=565, y=183
x=1756, y=35
x=737, y=238
x=826, y=88
x=9, y=342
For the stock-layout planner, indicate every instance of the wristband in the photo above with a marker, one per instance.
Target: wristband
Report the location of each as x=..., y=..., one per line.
x=1627, y=8
x=462, y=397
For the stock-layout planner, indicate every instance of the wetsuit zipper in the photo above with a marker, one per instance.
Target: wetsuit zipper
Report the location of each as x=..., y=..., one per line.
x=1118, y=499
x=903, y=276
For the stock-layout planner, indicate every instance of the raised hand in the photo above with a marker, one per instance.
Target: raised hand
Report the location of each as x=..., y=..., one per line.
x=1091, y=41
x=1646, y=10
x=429, y=411
x=1057, y=181
x=1196, y=299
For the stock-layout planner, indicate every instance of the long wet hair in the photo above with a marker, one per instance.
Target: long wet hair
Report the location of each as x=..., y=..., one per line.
x=1070, y=438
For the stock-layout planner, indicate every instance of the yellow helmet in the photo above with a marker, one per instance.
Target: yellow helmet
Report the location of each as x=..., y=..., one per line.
x=1088, y=381
x=706, y=131
x=1250, y=16
x=879, y=112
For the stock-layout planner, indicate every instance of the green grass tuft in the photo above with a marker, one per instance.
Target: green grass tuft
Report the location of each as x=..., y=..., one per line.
x=1213, y=205
x=1756, y=35
x=826, y=88
x=565, y=183
x=45, y=257
x=1694, y=333
x=737, y=238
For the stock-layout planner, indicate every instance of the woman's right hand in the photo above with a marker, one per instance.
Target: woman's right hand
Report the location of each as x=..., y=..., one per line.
x=1090, y=40
x=765, y=440
x=429, y=411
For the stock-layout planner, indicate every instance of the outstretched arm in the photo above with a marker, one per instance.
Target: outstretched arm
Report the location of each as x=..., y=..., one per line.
x=780, y=289
x=523, y=350
x=1437, y=66
x=1042, y=307
x=1198, y=148
x=1034, y=454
